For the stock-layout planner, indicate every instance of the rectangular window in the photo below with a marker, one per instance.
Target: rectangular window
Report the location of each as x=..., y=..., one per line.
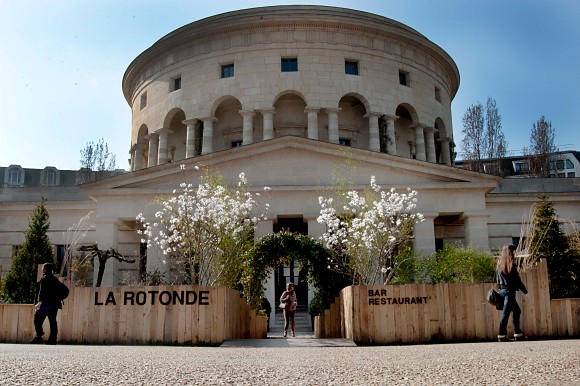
x=176, y=83
x=521, y=167
x=344, y=142
x=437, y=94
x=143, y=101
x=227, y=70
x=560, y=164
x=351, y=67
x=14, y=176
x=236, y=144
x=50, y=178
x=403, y=78
x=569, y=164
x=571, y=174
x=289, y=64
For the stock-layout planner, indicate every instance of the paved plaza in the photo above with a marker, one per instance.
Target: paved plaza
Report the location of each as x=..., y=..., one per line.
x=294, y=361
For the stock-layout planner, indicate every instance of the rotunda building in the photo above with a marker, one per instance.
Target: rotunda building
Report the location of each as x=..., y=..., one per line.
x=328, y=74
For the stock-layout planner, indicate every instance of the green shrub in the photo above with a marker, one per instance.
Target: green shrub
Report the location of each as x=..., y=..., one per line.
x=457, y=264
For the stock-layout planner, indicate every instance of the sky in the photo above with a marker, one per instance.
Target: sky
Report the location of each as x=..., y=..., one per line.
x=62, y=62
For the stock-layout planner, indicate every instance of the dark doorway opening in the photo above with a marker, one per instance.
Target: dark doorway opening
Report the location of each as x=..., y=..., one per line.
x=287, y=273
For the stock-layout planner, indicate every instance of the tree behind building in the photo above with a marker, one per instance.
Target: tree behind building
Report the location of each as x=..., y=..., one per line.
x=96, y=161
x=542, y=148
x=20, y=284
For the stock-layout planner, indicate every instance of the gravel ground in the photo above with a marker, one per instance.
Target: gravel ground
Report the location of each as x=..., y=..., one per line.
x=555, y=362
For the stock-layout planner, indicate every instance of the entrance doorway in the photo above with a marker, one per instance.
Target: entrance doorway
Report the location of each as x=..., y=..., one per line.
x=287, y=273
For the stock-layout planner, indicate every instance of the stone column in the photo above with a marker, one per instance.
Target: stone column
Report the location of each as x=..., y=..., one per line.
x=312, y=131
x=190, y=138
x=374, y=139
x=333, y=125
x=419, y=142
x=153, y=149
x=391, y=135
x=163, y=153
x=248, y=126
x=445, y=151
x=107, y=236
x=268, y=123
x=424, y=232
x=430, y=144
x=207, y=144
x=476, y=233
x=137, y=152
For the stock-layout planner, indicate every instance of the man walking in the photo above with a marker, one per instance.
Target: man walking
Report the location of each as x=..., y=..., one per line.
x=47, y=305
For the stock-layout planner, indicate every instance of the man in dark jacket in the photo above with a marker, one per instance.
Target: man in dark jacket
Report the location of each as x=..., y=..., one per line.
x=47, y=304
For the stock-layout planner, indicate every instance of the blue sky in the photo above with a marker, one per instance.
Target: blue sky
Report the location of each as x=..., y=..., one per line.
x=62, y=63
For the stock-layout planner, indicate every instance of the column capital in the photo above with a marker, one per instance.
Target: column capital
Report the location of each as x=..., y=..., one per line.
x=208, y=119
x=311, y=109
x=137, y=146
x=267, y=110
x=389, y=117
x=164, y=131
x=333, y=110
x=191, y=121
x=417, y=126
x=151, y=135
x=249, y=113
x=429, y=129
x=373, y=114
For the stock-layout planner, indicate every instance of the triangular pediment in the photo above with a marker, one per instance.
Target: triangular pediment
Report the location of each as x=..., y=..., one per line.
x=299, y=163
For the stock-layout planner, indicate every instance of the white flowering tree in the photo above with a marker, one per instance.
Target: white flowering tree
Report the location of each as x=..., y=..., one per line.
x=206, y=232
x=368, y=231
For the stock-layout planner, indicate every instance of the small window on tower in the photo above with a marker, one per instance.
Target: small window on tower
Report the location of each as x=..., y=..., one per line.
x=143, y=101
x=227, y=70
x=289, y=64
x=351, y=67
x=437, y=94
x=176, y=84
x=403, y=78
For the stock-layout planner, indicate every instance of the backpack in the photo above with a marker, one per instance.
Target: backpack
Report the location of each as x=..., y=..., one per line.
x=62, y=291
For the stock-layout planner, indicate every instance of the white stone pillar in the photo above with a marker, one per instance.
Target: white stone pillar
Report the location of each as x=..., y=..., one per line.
x=137, y=151
x=333, y=125
x=391, y=135
x=419, y=142
x=163, y=151
x=476, y=232
x=107, y=236
x=430, y=144
x=445, y=151
x=312, y=131
x=153, y=149
x=424, y=233
x=248, y=126
x=374, y=139
x=207, y=144
x=268, y=123
x=190, y=137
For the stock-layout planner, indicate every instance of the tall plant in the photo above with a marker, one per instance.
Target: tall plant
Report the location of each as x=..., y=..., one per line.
x=368, y=231
x=20, y=284
x=206, y=232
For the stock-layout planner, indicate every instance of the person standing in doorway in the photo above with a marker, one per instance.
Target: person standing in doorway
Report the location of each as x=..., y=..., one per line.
x=288, y=299
x=509, y=282
x=47, y=305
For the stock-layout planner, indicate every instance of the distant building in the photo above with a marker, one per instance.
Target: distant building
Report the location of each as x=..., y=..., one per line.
x=563, y=164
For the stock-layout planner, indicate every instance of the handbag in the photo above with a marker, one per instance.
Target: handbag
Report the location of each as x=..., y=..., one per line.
x=495, y=299
x=283, y=306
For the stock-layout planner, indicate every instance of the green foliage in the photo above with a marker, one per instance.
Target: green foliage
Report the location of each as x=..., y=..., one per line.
x=82, y=268
x=457, y=264
x=406, y=264
x=20, y=285
x=318, y=304
x=275, y=249
x=550, y=243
